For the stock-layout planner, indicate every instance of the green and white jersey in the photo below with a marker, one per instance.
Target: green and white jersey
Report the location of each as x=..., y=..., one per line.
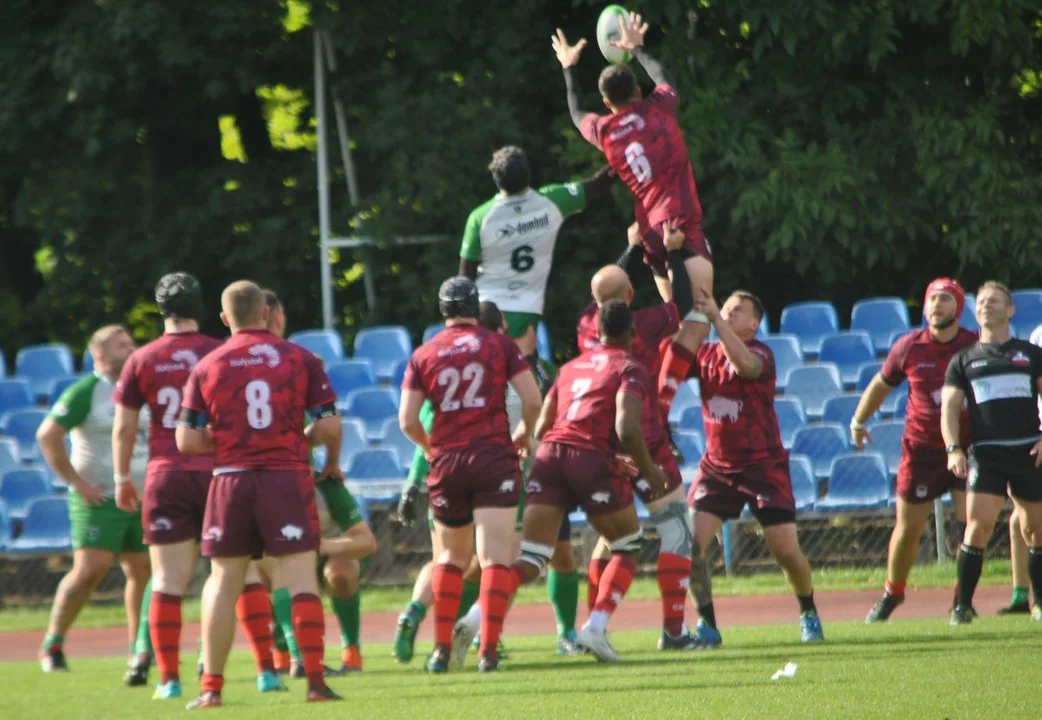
x=513, y=237
x=85, y=409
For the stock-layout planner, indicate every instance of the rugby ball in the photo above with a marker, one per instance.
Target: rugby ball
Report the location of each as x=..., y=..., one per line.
x=608, y=30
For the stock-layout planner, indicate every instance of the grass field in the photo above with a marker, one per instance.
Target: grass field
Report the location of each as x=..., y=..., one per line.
x=919, y=669
x=996, y=572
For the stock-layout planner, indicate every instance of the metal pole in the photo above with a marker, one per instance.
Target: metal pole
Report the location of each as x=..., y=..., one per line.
x=323, y=186
x=942, y=533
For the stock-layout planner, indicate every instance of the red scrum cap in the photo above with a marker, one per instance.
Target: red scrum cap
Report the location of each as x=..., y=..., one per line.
x=950, y=287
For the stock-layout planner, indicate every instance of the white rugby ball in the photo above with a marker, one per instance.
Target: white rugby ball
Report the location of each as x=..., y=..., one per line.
x=608, y=30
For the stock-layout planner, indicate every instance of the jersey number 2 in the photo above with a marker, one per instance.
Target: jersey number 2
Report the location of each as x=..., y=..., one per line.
x=170, y=398
x=638, y=162
x=473, y=373
x=258, y=404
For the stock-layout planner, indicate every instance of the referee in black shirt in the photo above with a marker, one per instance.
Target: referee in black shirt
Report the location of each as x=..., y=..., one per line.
x=1001, y=378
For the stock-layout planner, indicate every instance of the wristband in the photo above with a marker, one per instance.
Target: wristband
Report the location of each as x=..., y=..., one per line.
x=121, y=479
x=856, y=424
x=949, y=449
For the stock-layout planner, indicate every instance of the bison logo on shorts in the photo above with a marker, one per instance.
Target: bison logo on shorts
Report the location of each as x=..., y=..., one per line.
x=213, y=533
x=643, y=485
x=161, y=523
x=268, y=353
x=723, y=408
x=440, y=502
x=506, y=486
x=601, y=497
x=292, y=532
x=534, y=486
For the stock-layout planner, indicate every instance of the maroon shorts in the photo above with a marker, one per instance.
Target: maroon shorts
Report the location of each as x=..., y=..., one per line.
x=462, y=480
x=765, y=486
x=260, y=512
x=174, y=503
x=695, y=244
x=669, y=466
x=567, y=477
x=923, y=475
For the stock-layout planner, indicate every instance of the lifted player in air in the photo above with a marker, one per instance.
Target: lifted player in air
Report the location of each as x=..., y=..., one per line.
x=645, y=147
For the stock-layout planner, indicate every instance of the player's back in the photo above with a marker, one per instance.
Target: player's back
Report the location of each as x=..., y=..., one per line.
x=585, y=392
x=155, y=375
x=256, y=389
x=645, y=147
x=464, y=370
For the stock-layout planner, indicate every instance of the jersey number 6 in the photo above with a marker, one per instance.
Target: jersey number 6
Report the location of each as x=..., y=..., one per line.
x=521, y=259
x=638, y=162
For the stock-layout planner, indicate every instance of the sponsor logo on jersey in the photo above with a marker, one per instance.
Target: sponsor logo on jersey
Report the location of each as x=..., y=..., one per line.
x=523, y=227
x=1021, y=359
x=596, y=362
x=463, y=344
x=572, y=188
x=628, y=123
x=723, y=408
x=292, y=532
x=261, y=354
x=977, y=364
x=180, y=361
x=1008, y=386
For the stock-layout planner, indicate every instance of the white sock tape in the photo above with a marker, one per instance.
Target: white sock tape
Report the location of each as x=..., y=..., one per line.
x=696, y=317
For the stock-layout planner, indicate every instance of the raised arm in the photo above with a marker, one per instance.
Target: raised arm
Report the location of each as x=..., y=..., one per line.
x=568, y=56
x=631, y=31
x=745, y=362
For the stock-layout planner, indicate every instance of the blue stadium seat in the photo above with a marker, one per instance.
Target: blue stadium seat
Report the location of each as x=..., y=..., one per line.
x=810, y=322
x=969, y=314
x=865, y=373
x=688, y=395
x=40, y=364
x=15, y=394
x=692, y=446
x=375, y=464
x=6, y=534
x=348, y=375
x=327, y=344
x=821, y=443
x=432, y=330
x=354, y=440
x=857, y=481
x=692, y=419
x=787, y=355
x=1028, y=315
x=890, y=401
x=398, y=374
x=848, y=350
x=880, y=317
x=763, y=330
x=87, y=361
x=813, y=385
x=384, y=347
x=790, y=418
x=901, y=407
x=542, y=339
x=804, y=484
x=373, y=406
x=9, y=455
x=840, y=408
x=3, y=364
x=391, y=436
x=20, y=487
x=46, y=527
x=58, y=386
x=886, y=440
x=21, y=425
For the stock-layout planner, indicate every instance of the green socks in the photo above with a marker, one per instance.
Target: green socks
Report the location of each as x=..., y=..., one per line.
x=417, y=609
x=282, y=605
x=143, y=643
x=563, y=589
x=1020, y=596
x=469, y=596
x=52, y=641
x=349, y=615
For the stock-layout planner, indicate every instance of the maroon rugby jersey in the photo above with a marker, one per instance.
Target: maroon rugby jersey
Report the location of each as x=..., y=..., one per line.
x=920, y=358
x=155, y=375
x=645, y=148
x=652, y=325
x=738, y=414
x=585, y=392
x=464, y=371
x=255, y=389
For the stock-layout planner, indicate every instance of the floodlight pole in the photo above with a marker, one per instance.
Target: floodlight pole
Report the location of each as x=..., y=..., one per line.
x=323, y=185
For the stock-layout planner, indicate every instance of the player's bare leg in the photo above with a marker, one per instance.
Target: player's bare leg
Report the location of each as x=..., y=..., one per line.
x=254, y=611
x=700, y=582
x=496, y=548
x=343, y=581
x=220, y=593
x=1018, y=556
x=671, y=520
x=297, y=572
x=457, y=546
x=1029, y=517
x=89, y=567
x=785, y=547
x=694, y=329
x=171, y=572
x=138, y=570
x=904, y=548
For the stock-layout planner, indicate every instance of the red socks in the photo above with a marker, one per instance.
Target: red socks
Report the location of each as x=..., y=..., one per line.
x=673, y=573
x=447, y=583
x=254, y=611
x=895, y=589
x=497, y=584
x=211, y=683
x=309, y=627
x=614, y=583
x=676, y=364
x=164, y=624
x=593, y=580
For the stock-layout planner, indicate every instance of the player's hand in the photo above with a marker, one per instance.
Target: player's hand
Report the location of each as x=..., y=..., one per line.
x=631, y=32
x=705, y=303
x=126, y=497
x=633, y=234
x=522, y=441
x=858, y=436
x=331, y=471
x=567, y=55
x=626, y=466
x=657, y=480
x=957, y=463
x=91, y=494
x=673, y=238
x=407, y=504
x=1036, y=450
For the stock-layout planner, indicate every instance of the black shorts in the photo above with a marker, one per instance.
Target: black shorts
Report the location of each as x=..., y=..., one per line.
x=994, y=469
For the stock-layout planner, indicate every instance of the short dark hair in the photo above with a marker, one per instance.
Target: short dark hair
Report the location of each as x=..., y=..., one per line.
x=618, y=84
x=757, y=303
x=490, y=316
x=996, y=285
x=510, y=170
x=615, y=319
x=271, y=298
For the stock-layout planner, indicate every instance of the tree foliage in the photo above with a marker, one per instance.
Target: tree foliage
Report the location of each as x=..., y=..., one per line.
x=841, y=150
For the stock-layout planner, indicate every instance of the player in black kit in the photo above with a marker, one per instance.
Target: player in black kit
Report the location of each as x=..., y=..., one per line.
x=1000, y=378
